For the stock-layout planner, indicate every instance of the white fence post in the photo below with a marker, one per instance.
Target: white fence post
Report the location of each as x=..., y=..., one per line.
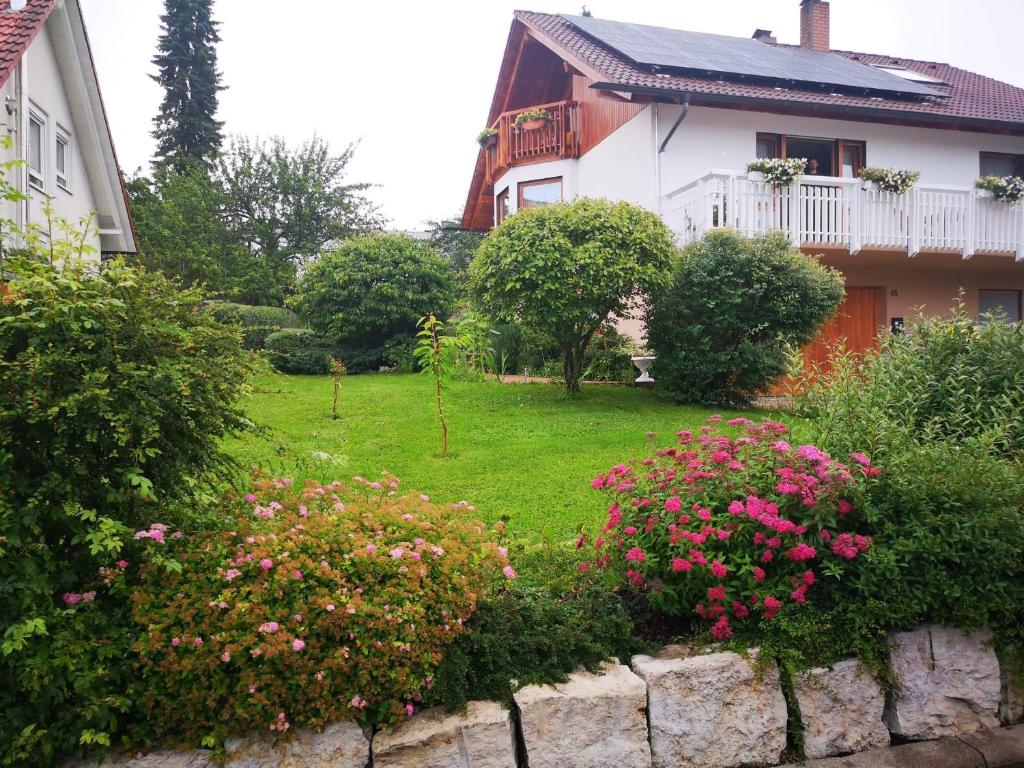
x=916, y=222
x=793, y=190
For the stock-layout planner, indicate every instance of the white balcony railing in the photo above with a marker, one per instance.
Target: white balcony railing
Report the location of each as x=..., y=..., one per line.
x=838, y=213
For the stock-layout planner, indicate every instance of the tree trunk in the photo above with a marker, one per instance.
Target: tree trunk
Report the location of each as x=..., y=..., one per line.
x=572, y=368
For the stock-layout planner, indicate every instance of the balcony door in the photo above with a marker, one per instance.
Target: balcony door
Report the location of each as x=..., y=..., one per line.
x=825, y=157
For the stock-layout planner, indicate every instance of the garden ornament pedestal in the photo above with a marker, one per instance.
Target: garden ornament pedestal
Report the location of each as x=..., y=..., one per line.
x=643, y=362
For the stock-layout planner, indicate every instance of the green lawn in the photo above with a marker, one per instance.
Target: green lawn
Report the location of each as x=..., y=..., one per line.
x=522, y=451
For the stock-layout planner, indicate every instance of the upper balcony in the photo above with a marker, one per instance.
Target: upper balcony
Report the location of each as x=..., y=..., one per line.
x=555, y=139
x=838, y=213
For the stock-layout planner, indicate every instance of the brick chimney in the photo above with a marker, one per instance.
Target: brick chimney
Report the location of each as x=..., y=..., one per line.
x=814, y=25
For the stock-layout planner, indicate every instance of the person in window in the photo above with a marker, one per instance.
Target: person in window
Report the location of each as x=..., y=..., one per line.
x=812, y=167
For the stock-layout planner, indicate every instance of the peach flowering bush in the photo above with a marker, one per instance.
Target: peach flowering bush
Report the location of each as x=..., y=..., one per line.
x=732, y=522
x=325, y=602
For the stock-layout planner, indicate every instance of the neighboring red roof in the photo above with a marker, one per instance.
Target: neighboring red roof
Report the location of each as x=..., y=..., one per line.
x=970, y=98
x=17, y=31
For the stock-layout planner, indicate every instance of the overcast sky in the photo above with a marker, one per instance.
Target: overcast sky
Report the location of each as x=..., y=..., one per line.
x=412, y=81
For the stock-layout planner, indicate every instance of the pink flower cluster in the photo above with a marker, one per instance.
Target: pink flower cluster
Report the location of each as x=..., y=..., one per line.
x=156, y=532
x=731, y=521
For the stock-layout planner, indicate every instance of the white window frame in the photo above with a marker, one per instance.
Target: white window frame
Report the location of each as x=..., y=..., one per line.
x=36, y=177
x=62, y=136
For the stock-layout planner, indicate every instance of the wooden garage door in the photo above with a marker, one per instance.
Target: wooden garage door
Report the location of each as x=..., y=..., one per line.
x=855, y=324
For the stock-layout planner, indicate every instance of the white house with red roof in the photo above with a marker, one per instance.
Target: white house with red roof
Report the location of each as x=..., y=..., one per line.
x=669, y=119
x=53, y=110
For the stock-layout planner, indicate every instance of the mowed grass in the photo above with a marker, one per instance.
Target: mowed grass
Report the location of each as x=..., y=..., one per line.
x=525, y=452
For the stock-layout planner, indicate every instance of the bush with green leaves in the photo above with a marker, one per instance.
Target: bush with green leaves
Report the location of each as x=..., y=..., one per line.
x=257, y=322
x=561, y=271
x=722, y=331
x=320, y=603
x=372, y=289
x=941, y=408
x=118, y=389
x=300, y=350
x=538, y=628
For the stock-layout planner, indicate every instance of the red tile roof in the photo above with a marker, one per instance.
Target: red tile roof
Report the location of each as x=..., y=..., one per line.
x=17, y=31
x=971, y=100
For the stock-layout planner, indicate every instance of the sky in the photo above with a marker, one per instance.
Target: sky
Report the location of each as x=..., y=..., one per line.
x=412, y=82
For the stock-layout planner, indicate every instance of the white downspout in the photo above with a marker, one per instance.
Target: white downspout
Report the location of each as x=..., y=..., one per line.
x=657, y=160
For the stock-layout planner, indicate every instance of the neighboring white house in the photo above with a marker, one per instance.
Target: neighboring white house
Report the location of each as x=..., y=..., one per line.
x=50, y=104
x=669, y=119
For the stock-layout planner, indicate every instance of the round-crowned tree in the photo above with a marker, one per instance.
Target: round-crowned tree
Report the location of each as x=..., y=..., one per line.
x=372, y=289
x=722, y=329
x=563, y=270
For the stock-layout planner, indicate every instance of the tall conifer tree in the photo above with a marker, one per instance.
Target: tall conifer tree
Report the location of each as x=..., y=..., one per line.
x=186, y=130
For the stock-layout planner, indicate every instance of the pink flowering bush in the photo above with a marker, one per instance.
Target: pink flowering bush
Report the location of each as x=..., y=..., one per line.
x=323, y=603
x=731, y=523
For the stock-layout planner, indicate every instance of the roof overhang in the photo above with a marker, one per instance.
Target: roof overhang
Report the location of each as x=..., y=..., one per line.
x=894, y=115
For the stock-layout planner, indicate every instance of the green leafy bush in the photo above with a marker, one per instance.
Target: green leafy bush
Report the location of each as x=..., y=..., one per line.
x=257, y=322
x=322, y=603
x=537, y=628
x=118, y=389
x=300, y=350
x=940, y=407
x=561, y=271
x=609, y=357
x=732, y=524
x=722, y=330
x=375, y=288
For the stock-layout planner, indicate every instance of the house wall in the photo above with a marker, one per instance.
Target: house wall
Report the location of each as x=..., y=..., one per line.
x=930, y=282
x=46, y=92
x=46, y=95
x=725, y=139
x=622, y=167
x=567, y=169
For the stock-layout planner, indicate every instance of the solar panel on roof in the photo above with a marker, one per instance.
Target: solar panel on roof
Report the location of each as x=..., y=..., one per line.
x=738, y=56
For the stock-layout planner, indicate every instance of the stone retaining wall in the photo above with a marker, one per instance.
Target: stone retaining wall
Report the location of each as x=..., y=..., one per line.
x=687, y=709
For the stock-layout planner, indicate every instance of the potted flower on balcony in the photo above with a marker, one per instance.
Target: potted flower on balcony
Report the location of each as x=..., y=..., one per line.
x=1008, y=189
x=895, y=181
x=533, y=119
x=487, y=138
x=776, y=171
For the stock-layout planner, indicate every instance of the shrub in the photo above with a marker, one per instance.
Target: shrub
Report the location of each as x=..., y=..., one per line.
x=735, y=305
x=941, y=407
x=537, y=629
x=257, y=322
x=300, y=350
x=609, y=357
x=320, y=604
x=732, y=526
x=375, y=288
x=943, y=378
x=560, y=271
x=118, y=389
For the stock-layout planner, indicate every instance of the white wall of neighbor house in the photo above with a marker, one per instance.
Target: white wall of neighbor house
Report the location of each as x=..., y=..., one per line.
x=510, y=180
x=725, y=139
x=48, y=98
x=621, y=167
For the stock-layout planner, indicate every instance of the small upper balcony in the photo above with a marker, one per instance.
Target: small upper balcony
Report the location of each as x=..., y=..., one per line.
x=556, y=137
x=839, y=213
